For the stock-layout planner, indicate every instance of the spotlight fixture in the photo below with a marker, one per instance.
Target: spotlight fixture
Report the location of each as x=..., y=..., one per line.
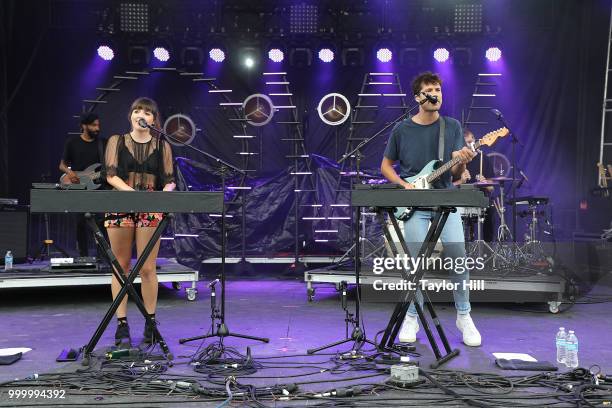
x=441, y=54
x=384, y=54
x=161, y=54
x=106, y=53
x=326, y=55
x=276, y=55
x=493, y=54
x=216, y=54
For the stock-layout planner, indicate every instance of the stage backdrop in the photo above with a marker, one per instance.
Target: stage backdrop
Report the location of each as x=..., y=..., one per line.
x=549, y=93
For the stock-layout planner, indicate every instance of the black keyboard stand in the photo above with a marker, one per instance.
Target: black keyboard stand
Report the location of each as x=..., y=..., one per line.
x=427, y=248
x=127, y=285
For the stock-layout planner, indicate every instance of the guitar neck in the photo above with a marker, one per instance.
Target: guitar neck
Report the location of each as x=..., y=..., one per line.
x=447, y=166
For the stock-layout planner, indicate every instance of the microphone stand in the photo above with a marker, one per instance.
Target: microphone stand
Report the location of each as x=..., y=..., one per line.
x=515, y=140
x=222, y=330
x=358, y=336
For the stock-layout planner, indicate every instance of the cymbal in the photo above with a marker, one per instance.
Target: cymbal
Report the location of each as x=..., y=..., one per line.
x=354, y=174
x=485, y=184
x=502, y=179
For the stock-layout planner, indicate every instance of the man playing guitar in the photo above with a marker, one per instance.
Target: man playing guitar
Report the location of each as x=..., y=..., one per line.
x=81, y=152
x=414, y=142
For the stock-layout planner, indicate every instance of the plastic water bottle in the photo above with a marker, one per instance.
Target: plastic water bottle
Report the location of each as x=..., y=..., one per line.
x=8, y=261
x=561, y=339
x=571, y=358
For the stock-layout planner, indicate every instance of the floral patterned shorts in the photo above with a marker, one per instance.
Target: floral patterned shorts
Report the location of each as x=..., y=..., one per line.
x=131, y=220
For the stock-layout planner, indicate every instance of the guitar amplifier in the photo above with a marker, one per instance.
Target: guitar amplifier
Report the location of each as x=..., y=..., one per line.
x=14, y=226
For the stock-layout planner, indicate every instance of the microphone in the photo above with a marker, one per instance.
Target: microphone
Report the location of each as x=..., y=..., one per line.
x=431, y=98
x=497, y=113
x=143, y=123
x=213, y=283
x=524, y=176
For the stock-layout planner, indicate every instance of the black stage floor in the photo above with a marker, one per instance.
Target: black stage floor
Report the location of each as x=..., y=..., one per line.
x=50, y=319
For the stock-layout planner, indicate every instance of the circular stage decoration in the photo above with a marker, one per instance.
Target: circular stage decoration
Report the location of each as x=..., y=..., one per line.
x=258, y=109
x=501, y=164
x=181, y=128
x=334, y=109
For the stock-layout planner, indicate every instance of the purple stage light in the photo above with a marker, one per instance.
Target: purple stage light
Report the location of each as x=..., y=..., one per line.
x=105, y=52
x=384, y=55
x=276, y=55
x=217, y=54
x=161, y=54
x=326, y=55
x=441, y=54
x=493, y=54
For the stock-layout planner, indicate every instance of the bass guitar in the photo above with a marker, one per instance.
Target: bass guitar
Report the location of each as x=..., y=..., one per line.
x=90, y=177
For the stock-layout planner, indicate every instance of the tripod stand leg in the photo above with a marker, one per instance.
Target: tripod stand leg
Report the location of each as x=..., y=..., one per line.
x=330, y=345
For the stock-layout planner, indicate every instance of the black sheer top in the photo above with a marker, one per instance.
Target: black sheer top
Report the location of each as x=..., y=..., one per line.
x=143, y=166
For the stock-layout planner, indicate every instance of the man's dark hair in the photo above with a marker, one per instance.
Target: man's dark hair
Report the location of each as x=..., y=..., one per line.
x=89, y=118
x=424, y=78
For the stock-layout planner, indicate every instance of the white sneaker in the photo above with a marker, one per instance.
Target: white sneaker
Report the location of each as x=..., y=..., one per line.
x=409, y=329
x=471, y=336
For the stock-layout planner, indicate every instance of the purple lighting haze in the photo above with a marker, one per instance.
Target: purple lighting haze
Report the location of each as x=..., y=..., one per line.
x=384, y=55
x=161, y=54
x=105, y=52
x=276, y=55
x=326, y=55
x=441, y=54
x=493, y=54
x=217, y=54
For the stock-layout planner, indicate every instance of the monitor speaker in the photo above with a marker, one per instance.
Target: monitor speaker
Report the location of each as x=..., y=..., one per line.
x=14, y=232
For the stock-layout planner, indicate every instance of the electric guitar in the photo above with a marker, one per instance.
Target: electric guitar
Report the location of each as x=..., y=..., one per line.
x=434, y=169
x=90, y=177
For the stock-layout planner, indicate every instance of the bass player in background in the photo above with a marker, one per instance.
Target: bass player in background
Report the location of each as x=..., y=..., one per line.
x=80, y=152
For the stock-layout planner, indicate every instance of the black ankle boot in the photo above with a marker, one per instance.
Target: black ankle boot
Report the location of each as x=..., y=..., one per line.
x=149, y=331
x=122, y=334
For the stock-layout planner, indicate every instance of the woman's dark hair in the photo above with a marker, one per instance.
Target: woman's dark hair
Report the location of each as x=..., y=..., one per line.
x=146, y=104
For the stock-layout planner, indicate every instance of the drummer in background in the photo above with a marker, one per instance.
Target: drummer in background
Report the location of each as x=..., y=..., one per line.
x=472, y=174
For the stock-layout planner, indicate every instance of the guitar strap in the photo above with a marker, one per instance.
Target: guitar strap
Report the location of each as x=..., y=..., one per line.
x=441, y=139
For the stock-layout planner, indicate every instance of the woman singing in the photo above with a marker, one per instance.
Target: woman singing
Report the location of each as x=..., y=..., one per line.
x=137, y=160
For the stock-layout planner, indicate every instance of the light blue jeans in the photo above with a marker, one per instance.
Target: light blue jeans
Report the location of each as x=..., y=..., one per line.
x=453, y=241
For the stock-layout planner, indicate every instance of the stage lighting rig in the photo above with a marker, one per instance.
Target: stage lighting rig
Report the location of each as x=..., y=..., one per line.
x=134, y=17
x=352, y=57
x=192, y=56
x=303, y=19
x=468, y=18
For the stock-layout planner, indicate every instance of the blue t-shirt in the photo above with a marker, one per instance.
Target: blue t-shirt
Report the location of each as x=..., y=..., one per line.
x=416, y=145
